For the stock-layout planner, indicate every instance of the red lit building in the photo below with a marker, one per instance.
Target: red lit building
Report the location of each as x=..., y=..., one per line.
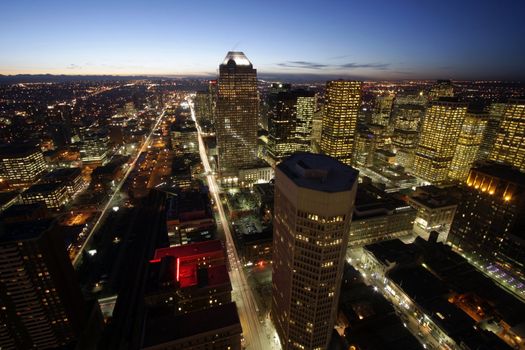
x=190, y=257
x=187, y=284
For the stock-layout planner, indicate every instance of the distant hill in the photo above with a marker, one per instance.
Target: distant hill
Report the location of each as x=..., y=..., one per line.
x=50, y=78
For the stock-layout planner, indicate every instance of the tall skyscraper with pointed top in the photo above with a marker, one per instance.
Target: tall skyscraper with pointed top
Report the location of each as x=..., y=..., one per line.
x=343, y=101
x=237, y=112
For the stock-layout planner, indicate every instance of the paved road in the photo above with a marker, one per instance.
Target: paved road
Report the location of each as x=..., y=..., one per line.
x=257, y=332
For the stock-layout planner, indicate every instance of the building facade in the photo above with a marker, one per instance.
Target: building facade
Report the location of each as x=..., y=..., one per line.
x=438, y=139
x=21, y=165
x=469, y=141
x=41, y=304
x=343, y=102
x=314, y=199
x=406, y=122
x=509, y=146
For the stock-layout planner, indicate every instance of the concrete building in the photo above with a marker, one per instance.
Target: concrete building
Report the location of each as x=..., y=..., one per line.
x=314, y=199
x=379, y=216
x=435, y=211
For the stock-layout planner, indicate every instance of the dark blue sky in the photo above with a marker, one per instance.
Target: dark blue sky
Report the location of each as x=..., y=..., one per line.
x=388, y=39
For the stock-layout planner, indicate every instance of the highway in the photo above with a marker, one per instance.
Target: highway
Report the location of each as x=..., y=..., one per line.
x=116, y=192
x=257, y=332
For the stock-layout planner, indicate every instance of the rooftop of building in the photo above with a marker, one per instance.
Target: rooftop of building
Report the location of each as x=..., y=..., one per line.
x=7, y=197
x=186, y=126
x=319, y=172
x=447, y=100
x=165, y=329
x=110, y=168
x=43, y=188
x=433, y=197
x=62, y=174
x=23, y=231
x=187, y=250
x=237, y=57
x=189, y=205
x=163, y=274
x=393, y=251
x=373, y=323
x=22, y=210
x=502, y=171
x=428, y=270
x=371, y=201
x=251, y=229
x=16, y=151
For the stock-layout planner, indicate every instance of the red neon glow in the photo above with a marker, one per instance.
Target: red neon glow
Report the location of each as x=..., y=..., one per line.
x=154, y=261
x=178, y=269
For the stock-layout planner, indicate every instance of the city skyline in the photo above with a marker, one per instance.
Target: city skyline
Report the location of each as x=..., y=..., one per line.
x=376, y=40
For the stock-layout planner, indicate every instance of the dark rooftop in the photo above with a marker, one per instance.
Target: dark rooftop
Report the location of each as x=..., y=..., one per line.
x=44, y=187
x=22, y=231
x=502, y=171
x=319, y=172
x=190, y=249
x=63, y=173
x=165, y=329
x=15, y=151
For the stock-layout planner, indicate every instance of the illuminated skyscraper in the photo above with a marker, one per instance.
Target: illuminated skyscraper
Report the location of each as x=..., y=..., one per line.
x=343, y=101
x=509, y=146
x=442, y=88
x=306, y=107
x=382, y=110
x=468, y=145
x=290, y=115
x=314, y=200
x=407, y=121
x=41, y=305
x=495, y=114
x=237, y=113
x=438, y=139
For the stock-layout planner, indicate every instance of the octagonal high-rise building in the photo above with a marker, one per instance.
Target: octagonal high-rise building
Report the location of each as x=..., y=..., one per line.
x=237, y=114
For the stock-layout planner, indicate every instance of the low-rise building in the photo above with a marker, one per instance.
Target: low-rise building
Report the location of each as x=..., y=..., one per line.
x=254, y=238
x=21, y=165
x=379, y=216
x=188, y=300
x=217, y=328
x=260, y=173
x=70, y=177
x=55, y=195
x=456, y=305
x=190, y=217
x=435, y=210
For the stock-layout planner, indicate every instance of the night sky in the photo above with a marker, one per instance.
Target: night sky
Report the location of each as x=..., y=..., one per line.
x=389, y=39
